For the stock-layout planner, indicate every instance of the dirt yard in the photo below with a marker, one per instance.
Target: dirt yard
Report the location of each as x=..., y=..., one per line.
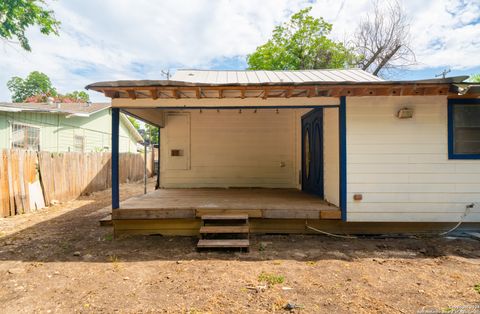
x=61, y=260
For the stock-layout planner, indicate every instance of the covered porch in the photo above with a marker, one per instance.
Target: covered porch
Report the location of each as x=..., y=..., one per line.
x=247, y=145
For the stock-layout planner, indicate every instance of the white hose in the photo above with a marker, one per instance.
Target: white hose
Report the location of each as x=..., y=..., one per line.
x=330, y=234
x=465, y=213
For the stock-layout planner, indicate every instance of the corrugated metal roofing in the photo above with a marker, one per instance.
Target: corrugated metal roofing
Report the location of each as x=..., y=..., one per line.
x=66, y=108
x=258, y=77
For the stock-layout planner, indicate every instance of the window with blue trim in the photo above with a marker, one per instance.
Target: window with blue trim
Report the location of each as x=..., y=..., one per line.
x=464, y=129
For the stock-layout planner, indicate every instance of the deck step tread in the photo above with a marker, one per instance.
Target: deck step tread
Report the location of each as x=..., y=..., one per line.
x=224, y=217
x=225, y=229
x=223, y=243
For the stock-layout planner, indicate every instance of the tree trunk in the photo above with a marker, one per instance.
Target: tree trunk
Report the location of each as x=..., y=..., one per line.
x=372, y=58
x=386, y=59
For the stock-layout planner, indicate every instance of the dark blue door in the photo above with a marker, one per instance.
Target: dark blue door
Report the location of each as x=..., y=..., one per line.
x=312, y=152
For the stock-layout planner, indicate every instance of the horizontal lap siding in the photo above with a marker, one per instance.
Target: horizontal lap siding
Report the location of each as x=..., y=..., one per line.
x=401, y=167
x=233, y=149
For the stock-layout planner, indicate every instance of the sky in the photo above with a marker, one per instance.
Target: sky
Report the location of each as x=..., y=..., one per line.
x=125, y=39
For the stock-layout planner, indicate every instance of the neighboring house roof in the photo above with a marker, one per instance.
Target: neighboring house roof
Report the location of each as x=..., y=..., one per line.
x=131, y=128
x=298, y=76
x=84, y=110
x=76, y=109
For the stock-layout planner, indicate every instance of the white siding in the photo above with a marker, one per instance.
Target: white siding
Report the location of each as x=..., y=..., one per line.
x=401, y=166
x=233, y=149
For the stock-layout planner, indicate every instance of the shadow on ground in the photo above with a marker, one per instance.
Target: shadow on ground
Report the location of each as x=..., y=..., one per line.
x=77, y=236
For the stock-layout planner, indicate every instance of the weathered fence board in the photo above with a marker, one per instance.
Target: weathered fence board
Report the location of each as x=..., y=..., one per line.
x=29, y=180
x=18, y=172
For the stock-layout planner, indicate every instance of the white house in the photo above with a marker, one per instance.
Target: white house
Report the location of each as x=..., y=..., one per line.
x=340, y=150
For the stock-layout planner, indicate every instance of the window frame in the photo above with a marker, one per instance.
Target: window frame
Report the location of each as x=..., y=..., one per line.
x=75, y=138
x=26, y=125
x=451, y=127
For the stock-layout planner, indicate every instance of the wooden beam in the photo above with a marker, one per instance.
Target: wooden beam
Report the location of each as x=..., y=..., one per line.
x=154, y=93
x=131, y=93
x=288, y=93
x=282, y=91
x=311, y=92
x=111, y=93
x=175, y=93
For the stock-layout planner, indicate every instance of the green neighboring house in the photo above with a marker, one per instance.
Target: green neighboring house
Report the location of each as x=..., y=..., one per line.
x=65, y=127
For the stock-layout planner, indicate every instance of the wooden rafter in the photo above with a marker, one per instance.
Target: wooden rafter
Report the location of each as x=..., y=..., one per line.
x=288, y=91
x=175, y=93
x=131, y=93
x=154, y=93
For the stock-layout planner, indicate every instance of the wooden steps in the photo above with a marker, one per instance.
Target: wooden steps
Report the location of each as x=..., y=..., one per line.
x=224, y=231
x=224, y=243
x=225, y=217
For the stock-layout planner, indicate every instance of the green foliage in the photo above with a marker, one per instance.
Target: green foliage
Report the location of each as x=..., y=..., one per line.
x=79, y=96
x=17, y=15
x=477, y=288
x=36, y=87
x=270, y=279
x=134, y=122
x=475, y=78
x=36, y=83
x=152, y=133
x=301, y=43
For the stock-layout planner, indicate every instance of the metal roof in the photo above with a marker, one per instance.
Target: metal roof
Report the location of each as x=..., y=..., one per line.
x=80, y=109
x=258, y=77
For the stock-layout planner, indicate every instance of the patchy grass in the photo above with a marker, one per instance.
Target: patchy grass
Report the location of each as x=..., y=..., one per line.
x=477, y=288
x=108, y=237
x=271, y=279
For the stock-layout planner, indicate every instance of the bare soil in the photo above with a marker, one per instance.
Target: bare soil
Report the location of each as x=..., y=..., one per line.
x=60, y=260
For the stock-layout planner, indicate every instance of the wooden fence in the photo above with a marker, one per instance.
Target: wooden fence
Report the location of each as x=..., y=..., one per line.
x=31, y=180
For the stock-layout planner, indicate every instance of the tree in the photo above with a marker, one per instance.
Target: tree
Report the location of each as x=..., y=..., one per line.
x=17, y=15
x=383, y=40
x=301, y=43
x=36, y=83
x=78, y=96
x=37, y=87
x=134, y=122
x=475, y=78
x=151, y=133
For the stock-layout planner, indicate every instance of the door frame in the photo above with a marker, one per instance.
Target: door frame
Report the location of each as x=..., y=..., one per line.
x=321, y=190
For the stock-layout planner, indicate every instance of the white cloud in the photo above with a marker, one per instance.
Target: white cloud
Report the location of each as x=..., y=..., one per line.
x=120, y=39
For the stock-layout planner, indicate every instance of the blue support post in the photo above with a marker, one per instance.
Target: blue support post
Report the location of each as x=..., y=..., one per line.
x=342, y=128
x=115, y=152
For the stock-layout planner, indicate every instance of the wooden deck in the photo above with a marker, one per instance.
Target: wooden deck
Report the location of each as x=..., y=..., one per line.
x=256, y=203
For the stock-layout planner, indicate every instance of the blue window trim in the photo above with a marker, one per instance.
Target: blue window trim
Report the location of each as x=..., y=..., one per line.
x=451, y=127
